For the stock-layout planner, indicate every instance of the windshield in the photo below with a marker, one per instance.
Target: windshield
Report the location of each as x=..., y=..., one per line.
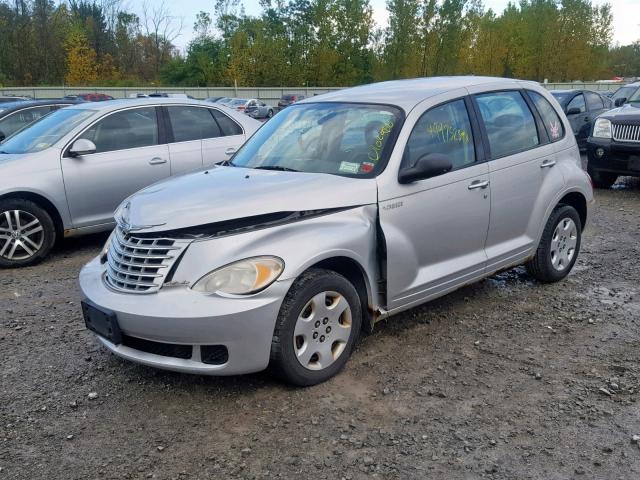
x=560, y=96
x=624, y=92
x=338, y=138
x=635, y=97
x=238, y=102
x=45, y=132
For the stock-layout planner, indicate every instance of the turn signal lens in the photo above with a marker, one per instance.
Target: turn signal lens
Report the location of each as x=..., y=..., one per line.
x=105, y=249
x=241, y=278
x=602, y=128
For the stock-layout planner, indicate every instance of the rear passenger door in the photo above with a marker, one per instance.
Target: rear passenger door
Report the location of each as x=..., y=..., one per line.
x=220, y=148
x=187, y=126
x=522, y=174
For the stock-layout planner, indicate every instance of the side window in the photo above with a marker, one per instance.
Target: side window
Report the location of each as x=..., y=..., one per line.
x=192, y=123
x=550, y=118
x=594, y=101
x=577, y=102
x=444, y=129
x=227, y=125
x=134, y=128
x=15, y=121
x=509, y=123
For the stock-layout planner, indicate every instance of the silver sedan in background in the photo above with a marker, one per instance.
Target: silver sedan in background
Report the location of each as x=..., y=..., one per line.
x=65, y=174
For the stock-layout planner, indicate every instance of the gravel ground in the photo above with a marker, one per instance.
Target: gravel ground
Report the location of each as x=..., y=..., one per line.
x=504, y=379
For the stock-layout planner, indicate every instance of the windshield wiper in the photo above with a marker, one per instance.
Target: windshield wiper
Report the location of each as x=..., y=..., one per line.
x=275, y=167
x=3, y=152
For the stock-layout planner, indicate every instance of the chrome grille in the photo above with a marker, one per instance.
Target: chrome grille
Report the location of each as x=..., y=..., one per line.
x=626, y=133
x=140, y=264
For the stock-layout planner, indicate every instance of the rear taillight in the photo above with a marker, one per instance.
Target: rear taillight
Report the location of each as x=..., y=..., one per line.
x=294, y=98
x=240, y=108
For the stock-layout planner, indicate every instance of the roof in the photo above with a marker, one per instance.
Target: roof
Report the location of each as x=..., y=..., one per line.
x=135, y=102
x=404, y=93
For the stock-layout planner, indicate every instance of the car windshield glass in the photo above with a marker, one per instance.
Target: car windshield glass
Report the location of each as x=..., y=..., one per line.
x=624, y=92
x=238, y=102
x=635, y=97
x=45, y=132
x=560, y=96
x=337, y=138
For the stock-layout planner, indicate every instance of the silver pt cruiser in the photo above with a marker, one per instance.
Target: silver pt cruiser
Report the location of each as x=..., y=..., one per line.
x=342, y=210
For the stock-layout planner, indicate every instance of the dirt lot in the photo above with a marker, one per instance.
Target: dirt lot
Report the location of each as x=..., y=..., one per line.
x=505, y=379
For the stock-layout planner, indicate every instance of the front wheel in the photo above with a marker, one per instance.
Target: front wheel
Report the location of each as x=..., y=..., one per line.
x=317, y=326
x=27, y=233
x=559, y=246
x=270, y=114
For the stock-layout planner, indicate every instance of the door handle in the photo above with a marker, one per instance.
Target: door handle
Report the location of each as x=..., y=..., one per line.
x=547, y=164
x=230, y=151
x=478, y=184
x=157, y=161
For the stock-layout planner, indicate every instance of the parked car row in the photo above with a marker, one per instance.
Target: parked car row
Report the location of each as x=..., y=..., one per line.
x=65, y=174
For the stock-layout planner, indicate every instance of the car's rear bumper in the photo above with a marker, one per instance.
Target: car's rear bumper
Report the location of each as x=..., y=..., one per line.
x=178, y=316
x=606, y=155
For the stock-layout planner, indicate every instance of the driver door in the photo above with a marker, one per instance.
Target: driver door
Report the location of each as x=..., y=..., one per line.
x=127, y=158
x=435, y=229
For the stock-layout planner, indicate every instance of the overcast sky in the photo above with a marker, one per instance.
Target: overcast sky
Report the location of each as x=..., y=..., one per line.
x=626, y=15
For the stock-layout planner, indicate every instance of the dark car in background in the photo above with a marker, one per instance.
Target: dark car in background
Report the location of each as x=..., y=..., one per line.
x=582, y=107
x=11, y=99
x=614, y=144
x=289, y=99
x=624, y=93
x=16, y=115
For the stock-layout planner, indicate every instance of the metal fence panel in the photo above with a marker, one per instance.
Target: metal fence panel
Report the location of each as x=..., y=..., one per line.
x=269, y=95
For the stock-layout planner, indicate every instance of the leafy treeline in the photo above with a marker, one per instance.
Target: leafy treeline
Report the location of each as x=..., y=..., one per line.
x=306, y=42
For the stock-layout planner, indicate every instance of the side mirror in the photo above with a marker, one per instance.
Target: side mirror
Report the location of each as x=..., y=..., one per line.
x=620, y=101
x=573, y=111
x=2, y=136
x=82, y=146
x=428, y=165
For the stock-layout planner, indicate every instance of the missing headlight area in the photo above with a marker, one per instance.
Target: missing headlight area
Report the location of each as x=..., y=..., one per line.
x=242, y=225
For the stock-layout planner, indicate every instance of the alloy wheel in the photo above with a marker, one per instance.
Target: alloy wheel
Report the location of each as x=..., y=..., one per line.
x=21, y=235
x=322, y=330
x=563, y=244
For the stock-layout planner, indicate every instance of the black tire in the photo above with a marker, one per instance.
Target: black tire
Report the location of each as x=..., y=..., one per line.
x=270, y=114
x=284, y=362
x=602, y=179
x=541, y=265
x=45, y=241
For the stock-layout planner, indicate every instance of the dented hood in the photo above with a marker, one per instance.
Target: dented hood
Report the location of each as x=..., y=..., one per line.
x=227, y=193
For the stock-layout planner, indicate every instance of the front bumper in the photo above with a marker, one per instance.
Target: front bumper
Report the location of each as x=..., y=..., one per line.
x=179, y=316
x=622, y=158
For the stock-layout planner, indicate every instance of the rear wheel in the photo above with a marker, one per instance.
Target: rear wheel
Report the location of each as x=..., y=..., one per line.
x=27, y=233
x=602, y=179
x=270, y=114
x=559, y=246
x=317, y=326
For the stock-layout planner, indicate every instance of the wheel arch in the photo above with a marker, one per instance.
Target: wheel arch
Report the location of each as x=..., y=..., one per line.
x=43, y=202
x=579, y=202
x=356, y=274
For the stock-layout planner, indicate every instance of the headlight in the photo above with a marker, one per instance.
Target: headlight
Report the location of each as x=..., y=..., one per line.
x=105, y=249
x=242, y=278
x=602, y=128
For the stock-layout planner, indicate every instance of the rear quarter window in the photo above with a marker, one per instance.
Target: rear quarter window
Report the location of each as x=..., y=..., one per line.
x=552, y=122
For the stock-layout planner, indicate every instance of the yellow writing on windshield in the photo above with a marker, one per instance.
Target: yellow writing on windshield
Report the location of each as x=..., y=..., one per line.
x=447, y=133
x=376, y=149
